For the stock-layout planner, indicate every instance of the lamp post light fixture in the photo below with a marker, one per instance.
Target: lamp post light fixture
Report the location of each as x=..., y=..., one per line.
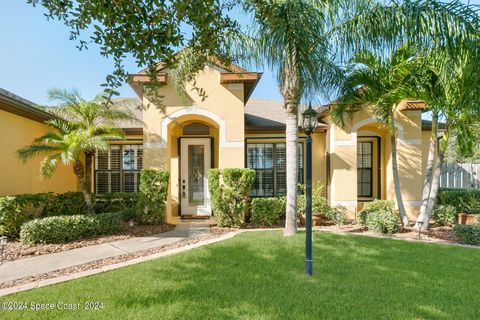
x=309, y=123
x=420, y=226
x=130, y=224
x=3, y=242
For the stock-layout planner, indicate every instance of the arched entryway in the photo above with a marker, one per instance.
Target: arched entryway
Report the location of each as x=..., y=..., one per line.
x=192, y=148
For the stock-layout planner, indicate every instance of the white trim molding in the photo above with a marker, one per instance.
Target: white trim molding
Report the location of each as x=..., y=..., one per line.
x=154, y=145
x=412, y=141
x=353, y=140
x=201, y=112
x=412, y=203
x=346, y=203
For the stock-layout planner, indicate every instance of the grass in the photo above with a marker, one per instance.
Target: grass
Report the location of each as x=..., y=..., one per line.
x=260, y=275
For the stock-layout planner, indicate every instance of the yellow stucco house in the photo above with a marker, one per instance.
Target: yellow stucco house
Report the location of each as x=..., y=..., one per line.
x=20, y=123
x=226, y=128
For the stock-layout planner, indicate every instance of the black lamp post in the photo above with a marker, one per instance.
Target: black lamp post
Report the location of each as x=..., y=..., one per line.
x=309, y=123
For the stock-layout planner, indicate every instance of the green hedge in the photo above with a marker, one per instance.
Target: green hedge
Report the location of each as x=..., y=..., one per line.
x=380, y=215
x=61, y=229
x=229, y=189
x=465, y=201
x=467, y=234
x=154, y=190
x=268, y=211
x=118, y=201
x=16, y=210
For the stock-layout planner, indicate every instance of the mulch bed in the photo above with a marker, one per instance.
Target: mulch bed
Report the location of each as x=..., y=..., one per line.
x=15, y=250
x=433, y=234
x=214, y=233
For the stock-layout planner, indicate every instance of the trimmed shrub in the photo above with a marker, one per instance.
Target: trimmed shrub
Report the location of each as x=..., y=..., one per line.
x=117, y=201
x=61, y=229
x=467, y=234
x=229, y=189
x=10, y=217
x=445, y=215
x=68, y=203
x=24, y=207
x=465, y=201
x=338, y=214
x=154, y=189
x=319, y=202
x=268, y=211
x=380, y=215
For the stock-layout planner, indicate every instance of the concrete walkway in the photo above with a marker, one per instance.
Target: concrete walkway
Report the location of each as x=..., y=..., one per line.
x=50, y=262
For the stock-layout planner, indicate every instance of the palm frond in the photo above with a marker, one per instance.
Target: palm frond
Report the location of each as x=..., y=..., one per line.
x=65, y=96
x=36, y=149
x=49, y=165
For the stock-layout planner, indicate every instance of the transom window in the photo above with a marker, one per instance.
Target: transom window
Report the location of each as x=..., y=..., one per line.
x=118, y=169
x=364, y=169
x=269, y=162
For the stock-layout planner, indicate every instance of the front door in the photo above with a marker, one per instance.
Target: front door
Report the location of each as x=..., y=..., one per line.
x=195, y=162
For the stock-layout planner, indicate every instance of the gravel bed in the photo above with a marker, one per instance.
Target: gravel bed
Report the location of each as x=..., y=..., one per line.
x=214, y=233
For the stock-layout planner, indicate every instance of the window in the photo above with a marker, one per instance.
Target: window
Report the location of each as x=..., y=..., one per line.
x=364, y=169
x=118, y=169
x=269, y=162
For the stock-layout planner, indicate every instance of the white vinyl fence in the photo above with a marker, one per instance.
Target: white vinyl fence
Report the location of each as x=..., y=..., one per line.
x=460, y=176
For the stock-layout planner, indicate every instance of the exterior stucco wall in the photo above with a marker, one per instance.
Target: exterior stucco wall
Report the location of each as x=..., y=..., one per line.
x=17, y=177
x=343, y=154
x=222, y=109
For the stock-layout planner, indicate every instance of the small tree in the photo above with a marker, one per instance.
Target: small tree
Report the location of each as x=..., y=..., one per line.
x=80, y=129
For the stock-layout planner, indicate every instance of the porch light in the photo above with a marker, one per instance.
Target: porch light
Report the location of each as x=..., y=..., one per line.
x=309, y=120
x=309, y=123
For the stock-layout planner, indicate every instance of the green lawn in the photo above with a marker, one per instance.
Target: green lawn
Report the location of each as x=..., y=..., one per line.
x=260, y=275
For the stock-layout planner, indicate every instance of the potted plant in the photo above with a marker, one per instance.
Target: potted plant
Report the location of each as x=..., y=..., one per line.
x=467, y=218
x=472, y=210
x=320, y=208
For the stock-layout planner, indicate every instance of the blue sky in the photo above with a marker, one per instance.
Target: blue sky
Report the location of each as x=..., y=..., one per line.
x=36, y=55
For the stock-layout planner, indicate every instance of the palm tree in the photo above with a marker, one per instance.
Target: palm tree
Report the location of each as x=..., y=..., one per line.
x=456, y=98
x=383, y=84
x=80, y=129
x=288, y=36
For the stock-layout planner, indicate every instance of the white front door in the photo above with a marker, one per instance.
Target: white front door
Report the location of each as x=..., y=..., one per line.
x=195, y=162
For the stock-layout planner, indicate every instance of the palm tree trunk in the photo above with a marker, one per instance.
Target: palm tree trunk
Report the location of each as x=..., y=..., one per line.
x=87, y=190
x=291, y=167
x=396, y=178
x=79, y=171
x=428, y=180
x=432, y=200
